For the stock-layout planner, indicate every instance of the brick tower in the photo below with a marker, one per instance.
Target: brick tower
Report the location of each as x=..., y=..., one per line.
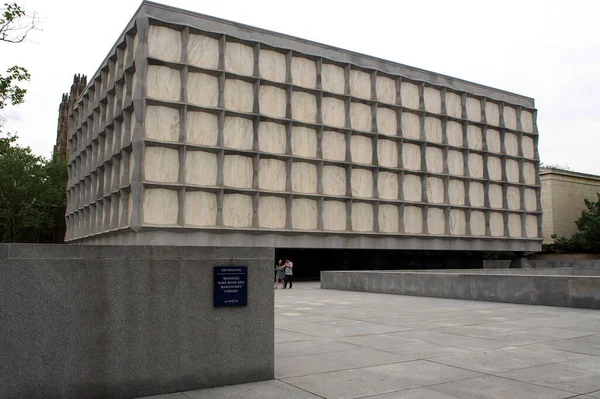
x=64, y=109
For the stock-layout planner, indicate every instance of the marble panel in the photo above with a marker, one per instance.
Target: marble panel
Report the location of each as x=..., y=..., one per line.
x=513, y=196
x=512, y=171
x=387, y=185
x=531, y=226
x=389, y=218
x=514, y=225
x=362, y=183
x=164, y=43
x=494, y=168
x=412, y=188
x=239, y=95
x=435, y=190
x=387, y=121
x=530, y=199
x=413, y=220
x=510, y=117
x=162, y=123
x=411, y=126
x=271, y=174
x=474, y=137
x=476, y=194
x=362, y=216
x=454, y=132
x=272, y=137
x=237, y=171
x=492, y=113
x=237, y=210
x=201, y=168
x=272, y=65
x=411, y=156
x=477, y=223
x=304, y=141
x=453, y=105
x=387, y=153
x=304, y=177
x=458, y=222
x=361, y=149
x=497, y=224
x=238, y=133
x=475, y=165
x=304, y=107
x=436, y=222
x=493, y=141
x=433, y=129
x=163, y=83
x=332, y=78
x=360, y=117
x=386, y=90
x=409, y=94
x=161, y=164
x=360, y=84
x=160, y=207
x=435, y=159
x=202, y=89
x=528, y=147
x=456, y=163
x=334, y=180
x=334, y=146
x=473, y=109
x=203, y=51
x=272, y=101
x=511, y=144
x=239, y=58
x=334, y=113
x=456, y=192
x=334, y=215
x=527, y=121
x=304, y=214
x=200, y=208
x=496, y=196
x=529, y=173
x=304, y=72
x=271, y=212
x=433, y=100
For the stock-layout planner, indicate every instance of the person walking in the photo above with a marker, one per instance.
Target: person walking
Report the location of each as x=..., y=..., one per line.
x=279, y=273
x=289, y=273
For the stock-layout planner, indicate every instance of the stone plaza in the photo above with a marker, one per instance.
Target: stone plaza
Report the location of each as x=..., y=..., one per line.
x=339, y=344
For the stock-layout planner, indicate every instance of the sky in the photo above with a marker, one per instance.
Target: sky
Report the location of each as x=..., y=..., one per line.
x=547, y=50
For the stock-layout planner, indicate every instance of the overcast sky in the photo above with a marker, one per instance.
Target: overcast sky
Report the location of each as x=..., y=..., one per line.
x=548, y=50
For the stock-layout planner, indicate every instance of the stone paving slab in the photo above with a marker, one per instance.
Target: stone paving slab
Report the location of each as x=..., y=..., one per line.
x=339, y=344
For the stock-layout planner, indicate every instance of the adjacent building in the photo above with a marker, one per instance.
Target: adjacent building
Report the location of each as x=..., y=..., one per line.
x=563, y=195
x=64, y=110
x=200, y=131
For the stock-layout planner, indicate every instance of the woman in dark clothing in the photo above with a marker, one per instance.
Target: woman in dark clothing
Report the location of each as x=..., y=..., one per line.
x=279, y=273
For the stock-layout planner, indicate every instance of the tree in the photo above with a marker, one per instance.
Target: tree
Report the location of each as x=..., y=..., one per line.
x=587, y=236
x=15, y=24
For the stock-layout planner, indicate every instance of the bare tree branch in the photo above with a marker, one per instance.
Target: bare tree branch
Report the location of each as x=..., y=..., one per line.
x=16, y=23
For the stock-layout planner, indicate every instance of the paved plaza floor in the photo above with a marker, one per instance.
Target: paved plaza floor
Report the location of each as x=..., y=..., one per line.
x=338, y=344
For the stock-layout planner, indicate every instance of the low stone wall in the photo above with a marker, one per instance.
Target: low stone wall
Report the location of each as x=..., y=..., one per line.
x=546, y=263
x=122, y=322
x=557, y=290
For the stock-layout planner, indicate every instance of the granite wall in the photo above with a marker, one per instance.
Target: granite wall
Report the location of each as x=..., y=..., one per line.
x=124, y=322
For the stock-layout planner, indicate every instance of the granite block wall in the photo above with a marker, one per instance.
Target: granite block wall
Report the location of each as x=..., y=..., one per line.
x=187, y=128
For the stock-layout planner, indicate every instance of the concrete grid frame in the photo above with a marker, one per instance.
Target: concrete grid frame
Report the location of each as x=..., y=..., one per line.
x=200, y=131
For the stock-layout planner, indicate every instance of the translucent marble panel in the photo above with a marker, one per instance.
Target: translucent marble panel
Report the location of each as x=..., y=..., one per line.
x=304, y=72
x=510, y=117
x=454, y=131
x=304, y=177
x=433, y=100
x=203, y=51
x=304, y=107
x=387, y=153
x=475, y=166
x=409, y=94
x=271, y=174
x=529, y=173
x=412, y=188
x=161, y=164
x=527, y=121
x=474, y=137
x=476, y=194
x=496, y=196
x=162, y=123
x=201, y=168
x=456, y=192
x=360, y=84
x=436, y=221
x=386, y=90
x=202, y=89
x=163, y=83
x=477, y=223
x=239, y=58
x=272, y=65
x=493, y=141
x=530, y=199
x=411, y=156
x=413, y=220
x=304, y=214
x=237, y=171
x=474, y=109
x=514, y=225
x=238, y=133
x=531, y=226
x=272, y=101
x=497, y=224
x=433, y=129
x=495, y=168
x=334, y=215
x=237, y=210
x=528, y=147
x=492, y=113
x=389, y=218
x=387, y=122
x=456, y=163
x=435, y=159
x=360, y=116
x=362, y=183
x=511, y=143
x=334, y=113
x=514, y=198
x=362, y=216
x=361, y=149
x=271, y=137
x=304, y=141
x=271, y=212
x=458, y=222
x=387, y=185
x=200, y=208
x=453, y=105
x=160, y=206
x=411, y=125
x=435, y=190
x=334, y=180
x=334, y=146
x=332, y=78
x=512, y=171
x=164, y=43
x=239, y=95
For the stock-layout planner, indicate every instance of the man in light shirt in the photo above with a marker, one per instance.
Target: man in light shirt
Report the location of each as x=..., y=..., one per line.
x=289, y=265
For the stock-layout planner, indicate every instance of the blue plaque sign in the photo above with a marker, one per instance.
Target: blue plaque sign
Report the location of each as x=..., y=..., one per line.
x=231, y=286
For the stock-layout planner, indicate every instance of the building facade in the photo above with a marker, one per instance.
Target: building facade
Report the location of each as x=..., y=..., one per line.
x=64, y=110
x=200, y=131
x=563, y=195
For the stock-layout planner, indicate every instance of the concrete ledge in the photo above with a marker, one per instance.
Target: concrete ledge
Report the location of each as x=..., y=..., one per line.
x=529, y=289
x=121, y=322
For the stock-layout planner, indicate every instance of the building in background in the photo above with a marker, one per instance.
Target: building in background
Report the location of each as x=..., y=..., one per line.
x=563, y=194
x=200, y=131
x=64, y=110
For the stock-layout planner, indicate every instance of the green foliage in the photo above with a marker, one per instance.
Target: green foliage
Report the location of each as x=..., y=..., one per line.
x=32, y=194
x=555, y=166
x=587, y=237
x=9, y=91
